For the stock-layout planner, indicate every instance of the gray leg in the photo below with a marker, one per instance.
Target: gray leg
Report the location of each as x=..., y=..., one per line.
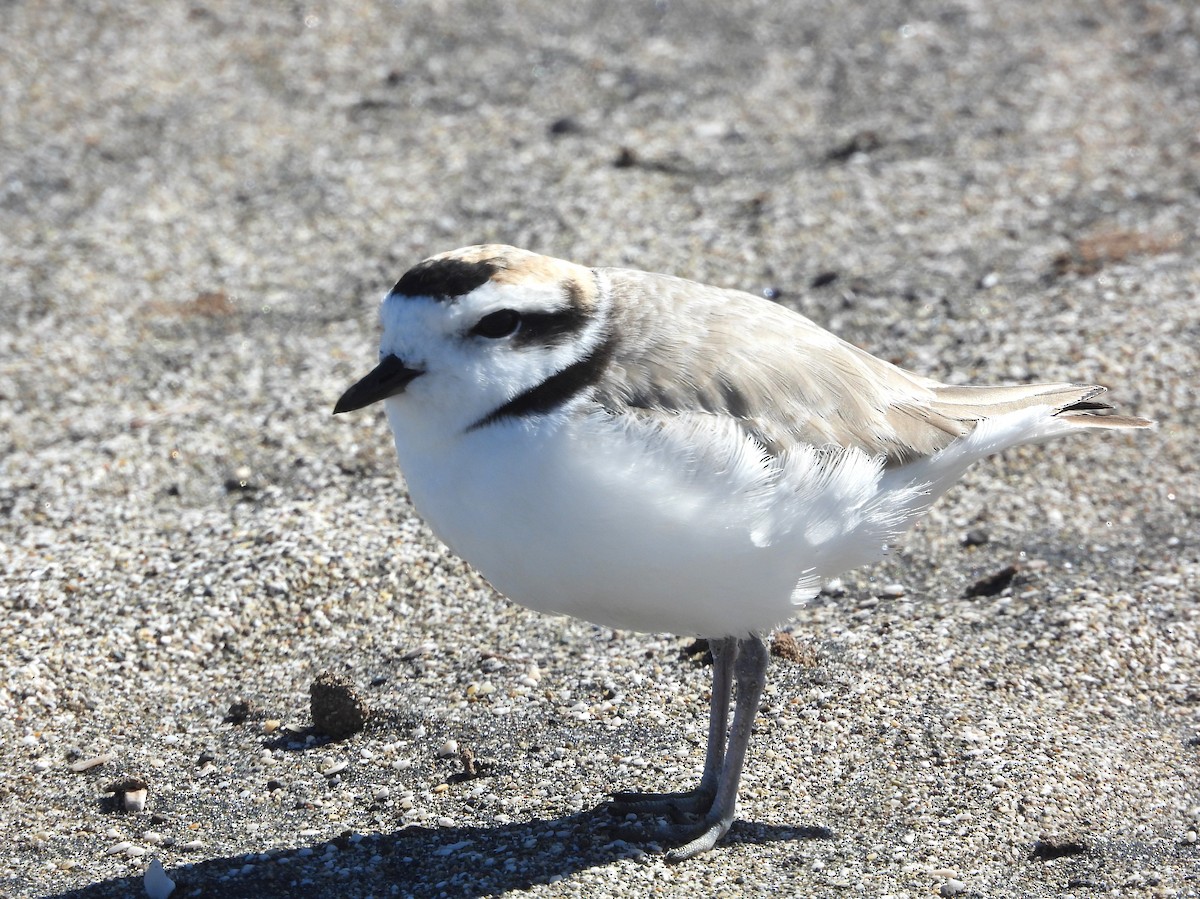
x=699, y=800
x=751, y=673
x=724, y=652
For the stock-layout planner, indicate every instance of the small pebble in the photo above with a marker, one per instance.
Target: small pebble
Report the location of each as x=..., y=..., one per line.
x=94, y=762
x=785, y=646
x=834, y=587
x=135, y=800
x=129, y=793
x=976, y=537
x=239, y=711
x=448, y=750
x=338, y=709
x=952, y=888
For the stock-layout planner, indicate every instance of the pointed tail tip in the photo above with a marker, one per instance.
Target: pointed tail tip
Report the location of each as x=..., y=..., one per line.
x=1089, y=412
x=1097, y=418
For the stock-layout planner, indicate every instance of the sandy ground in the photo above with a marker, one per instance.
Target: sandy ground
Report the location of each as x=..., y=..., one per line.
x=200, y=205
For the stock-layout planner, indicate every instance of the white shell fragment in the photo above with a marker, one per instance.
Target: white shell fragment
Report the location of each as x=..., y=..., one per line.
x=158, y=884
x=94, y=762
x=135, y=800
x=335, y=768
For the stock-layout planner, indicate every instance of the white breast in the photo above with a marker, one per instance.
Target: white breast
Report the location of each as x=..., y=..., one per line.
x=681, y=526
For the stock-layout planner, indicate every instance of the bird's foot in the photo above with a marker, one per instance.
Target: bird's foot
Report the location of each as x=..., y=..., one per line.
x=682, y=808
x=695, y=824
x=690, y=838
x=697, y=839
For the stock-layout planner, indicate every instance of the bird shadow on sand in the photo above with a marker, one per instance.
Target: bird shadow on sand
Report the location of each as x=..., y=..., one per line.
x=453, y=861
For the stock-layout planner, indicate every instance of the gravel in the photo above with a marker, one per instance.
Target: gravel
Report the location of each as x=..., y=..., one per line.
x=200, y=206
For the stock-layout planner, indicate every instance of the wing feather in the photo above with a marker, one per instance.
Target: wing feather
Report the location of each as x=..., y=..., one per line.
x=691, y=348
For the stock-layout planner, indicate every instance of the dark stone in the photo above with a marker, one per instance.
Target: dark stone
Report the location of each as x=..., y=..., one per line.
x=338, y=709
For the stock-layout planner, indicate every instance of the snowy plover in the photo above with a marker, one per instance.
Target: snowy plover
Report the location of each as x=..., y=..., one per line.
x=654, y=454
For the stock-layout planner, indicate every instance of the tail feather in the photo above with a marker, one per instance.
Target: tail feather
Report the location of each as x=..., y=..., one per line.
x=1073, y=403
x=1102, y=420
x=1088, y=412
x=1034, y=421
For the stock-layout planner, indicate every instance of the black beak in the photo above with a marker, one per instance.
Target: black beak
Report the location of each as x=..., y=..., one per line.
x=388, y=378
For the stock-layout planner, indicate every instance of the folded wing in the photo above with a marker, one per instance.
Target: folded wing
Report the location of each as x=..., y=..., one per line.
x=786, y=380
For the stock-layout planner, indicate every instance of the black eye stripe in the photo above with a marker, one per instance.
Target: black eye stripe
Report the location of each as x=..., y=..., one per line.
x=550, y=328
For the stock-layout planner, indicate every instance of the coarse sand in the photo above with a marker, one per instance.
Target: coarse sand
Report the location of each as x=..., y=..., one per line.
x=201, y=204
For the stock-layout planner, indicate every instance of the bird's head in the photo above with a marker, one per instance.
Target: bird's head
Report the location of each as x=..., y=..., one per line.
x=469, y=331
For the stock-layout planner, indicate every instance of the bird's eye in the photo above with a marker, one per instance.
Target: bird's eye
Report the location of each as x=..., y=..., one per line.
x=500, y=323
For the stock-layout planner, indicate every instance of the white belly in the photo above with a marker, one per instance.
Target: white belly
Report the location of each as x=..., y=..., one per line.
x=684, y=529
